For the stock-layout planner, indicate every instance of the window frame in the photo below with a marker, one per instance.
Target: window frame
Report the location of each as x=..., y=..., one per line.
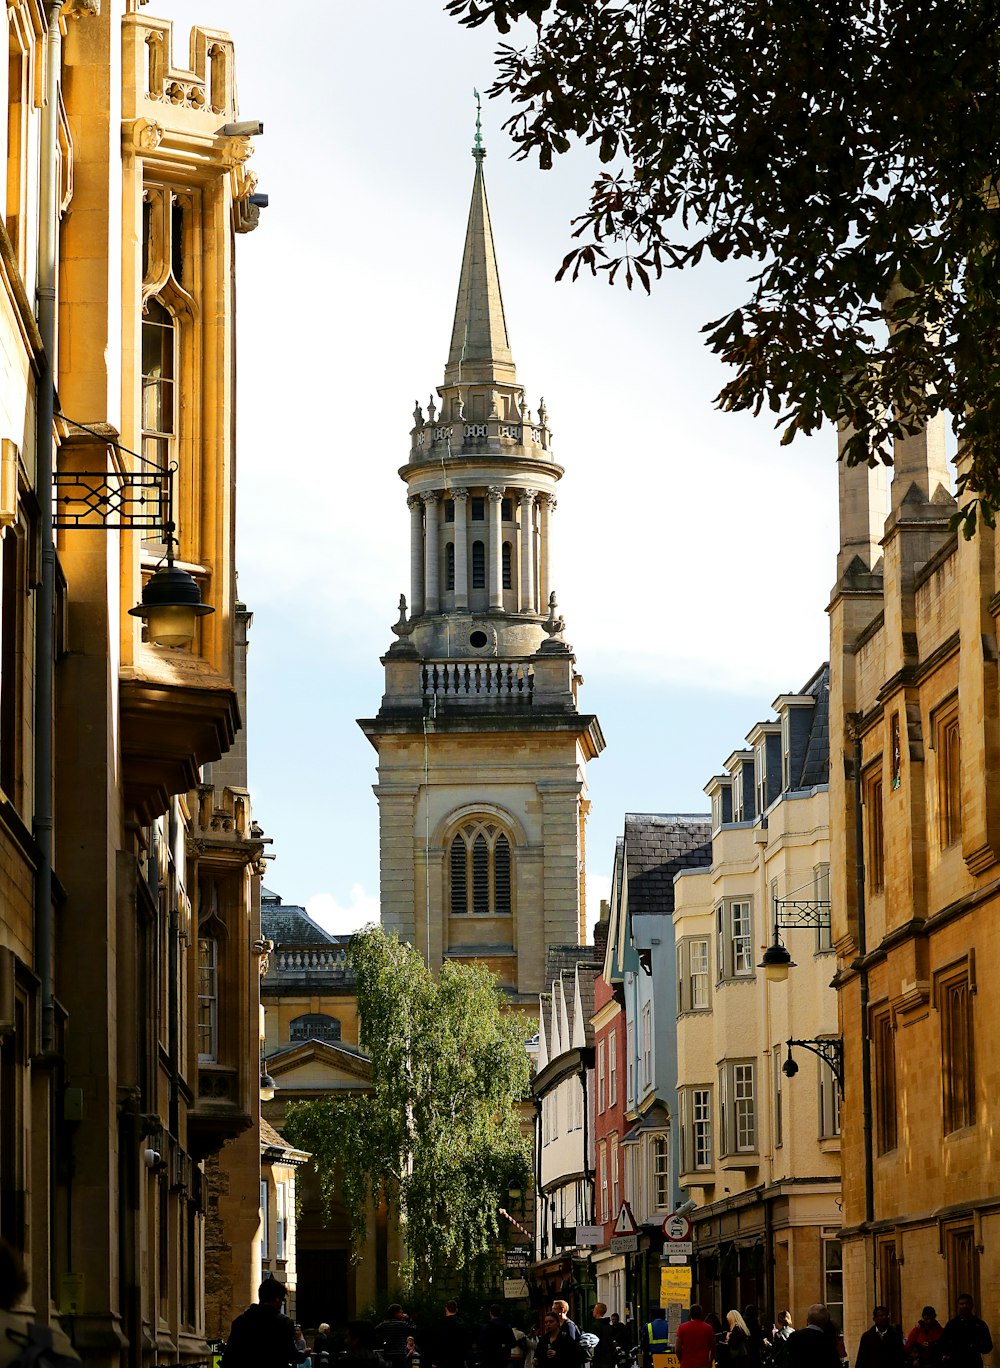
x=601, y=1075
x=647, y=1045
x=738, y=1108
x=612, y=1068
x=732, y=947
x=828, y=1094
x=948, y=764
x=873, y=800
x=694, y=974
x=883, y=1037
x=208, y=1000
x=659, y=1173
x=476, y=834
x=955, y=989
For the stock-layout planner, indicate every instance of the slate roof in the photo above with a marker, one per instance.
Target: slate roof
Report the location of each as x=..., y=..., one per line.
x=567, y=957
x=816, y=766
x=658, y=846
x=287, y=924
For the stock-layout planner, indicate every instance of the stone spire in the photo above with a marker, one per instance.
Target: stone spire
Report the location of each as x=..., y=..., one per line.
x=480, y=352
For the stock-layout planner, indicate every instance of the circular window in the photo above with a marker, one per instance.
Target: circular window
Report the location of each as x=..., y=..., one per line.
x=478, y=640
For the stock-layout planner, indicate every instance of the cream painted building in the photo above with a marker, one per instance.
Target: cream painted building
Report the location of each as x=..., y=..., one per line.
x=129, y=859
x=482, y=748
x=760, y=1151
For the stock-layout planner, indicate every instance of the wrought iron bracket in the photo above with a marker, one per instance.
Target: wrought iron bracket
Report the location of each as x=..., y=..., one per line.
x=112, y=501
x=830, y=1050
x=793, y=914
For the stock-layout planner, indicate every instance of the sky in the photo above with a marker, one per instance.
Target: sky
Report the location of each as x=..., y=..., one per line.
x=693, y=555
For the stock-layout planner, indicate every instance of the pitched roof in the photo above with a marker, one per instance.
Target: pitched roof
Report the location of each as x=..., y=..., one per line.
x=657, y=846
x=286, y=924
x=479, y=350
x=816, y=765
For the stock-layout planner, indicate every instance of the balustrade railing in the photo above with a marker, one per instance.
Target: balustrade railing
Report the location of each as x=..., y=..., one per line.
x=309, y=961
x=469, y=679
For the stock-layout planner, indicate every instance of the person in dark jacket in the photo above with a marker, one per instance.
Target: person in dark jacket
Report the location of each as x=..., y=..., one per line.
x=495, y=1340
x=814, y=1346
x=450, y=1341
x=965, y=1338
x=881, y=1346
x=604, y=1354
x=262, y=1337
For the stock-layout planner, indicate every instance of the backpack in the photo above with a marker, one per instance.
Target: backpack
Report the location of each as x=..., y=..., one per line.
x=34, y=1347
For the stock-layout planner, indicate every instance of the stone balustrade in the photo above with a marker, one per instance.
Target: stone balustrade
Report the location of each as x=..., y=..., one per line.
x=470, y=680
x=322, y=960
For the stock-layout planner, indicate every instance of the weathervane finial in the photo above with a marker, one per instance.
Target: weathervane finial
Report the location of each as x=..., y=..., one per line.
x=478, y=150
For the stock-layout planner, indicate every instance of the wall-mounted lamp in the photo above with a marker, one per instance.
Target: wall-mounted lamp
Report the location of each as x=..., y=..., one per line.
x=267, y=1087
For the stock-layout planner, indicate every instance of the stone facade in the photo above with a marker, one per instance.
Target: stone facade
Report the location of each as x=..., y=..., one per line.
x=129, y=868
x=482, y=748
x=915, y=736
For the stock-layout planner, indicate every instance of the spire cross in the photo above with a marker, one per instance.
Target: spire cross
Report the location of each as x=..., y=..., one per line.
x=478, y=150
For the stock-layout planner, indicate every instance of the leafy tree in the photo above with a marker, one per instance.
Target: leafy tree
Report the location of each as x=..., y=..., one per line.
x=846, y=150
x=438, y=1132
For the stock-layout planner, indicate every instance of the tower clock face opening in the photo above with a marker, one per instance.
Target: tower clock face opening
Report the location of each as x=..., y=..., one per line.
x=478, y=640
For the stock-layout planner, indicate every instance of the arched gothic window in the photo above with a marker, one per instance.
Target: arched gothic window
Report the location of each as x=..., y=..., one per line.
x=480, y=866
x=506, y=562
x=478, y=565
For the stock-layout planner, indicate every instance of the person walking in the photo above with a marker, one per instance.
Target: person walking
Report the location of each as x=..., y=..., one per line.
x=966, y=1338
x=262, y=1337
x=814, y=1346
x=557, y=1347
x=495, y=1340
x=695, y=1340
x=323, y=1346
x=655, y=1340
x=923, y=1342
x=737, y=1342
x=604, y=1353
x=450, y=1343
x=881, y=1346
x=392, y=1334
x=560, y=1309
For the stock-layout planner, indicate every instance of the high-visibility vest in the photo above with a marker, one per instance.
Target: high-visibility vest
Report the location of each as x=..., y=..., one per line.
x=655, y=1345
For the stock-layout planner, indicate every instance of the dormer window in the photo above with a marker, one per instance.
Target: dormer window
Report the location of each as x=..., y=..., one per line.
x=738, y=795
x=760, y=773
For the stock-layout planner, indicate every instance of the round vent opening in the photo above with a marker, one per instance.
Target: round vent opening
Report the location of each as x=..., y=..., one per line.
x=478, y=640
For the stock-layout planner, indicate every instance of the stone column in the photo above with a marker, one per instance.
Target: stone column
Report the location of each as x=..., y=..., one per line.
x=416, y=555
x=431, y=599
x=527, y=501
x=495, y=494
x=546, y=507
x=461, y=497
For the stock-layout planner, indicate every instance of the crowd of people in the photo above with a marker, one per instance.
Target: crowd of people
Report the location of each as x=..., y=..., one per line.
x=264, y=1338
x=702, y=1341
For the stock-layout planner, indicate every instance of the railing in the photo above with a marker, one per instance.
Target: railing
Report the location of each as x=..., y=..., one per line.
x=309, y=961
x=470, y=679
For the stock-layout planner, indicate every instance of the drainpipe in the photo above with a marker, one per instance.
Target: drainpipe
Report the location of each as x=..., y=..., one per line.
x=173, y=972
x=48, y=233
x=866, y=1046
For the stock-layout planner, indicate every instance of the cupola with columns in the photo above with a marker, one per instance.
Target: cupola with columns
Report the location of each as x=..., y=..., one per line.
x=480, y=480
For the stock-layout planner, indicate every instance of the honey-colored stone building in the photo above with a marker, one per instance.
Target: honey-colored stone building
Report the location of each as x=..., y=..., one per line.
x=129, y=859
x=915, y=745
x=482, y=747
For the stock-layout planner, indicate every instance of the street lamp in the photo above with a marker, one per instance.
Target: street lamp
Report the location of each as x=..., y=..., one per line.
x=171, y=602
x=777, y=961
x=830, y=1050
x=267, y=1086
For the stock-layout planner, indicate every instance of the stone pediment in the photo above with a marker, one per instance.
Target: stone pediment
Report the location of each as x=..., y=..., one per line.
x=319, y=1066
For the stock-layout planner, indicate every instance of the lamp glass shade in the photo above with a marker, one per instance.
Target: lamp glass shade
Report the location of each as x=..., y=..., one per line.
x=776, y=962
x=171, y=602
x=267, y=1087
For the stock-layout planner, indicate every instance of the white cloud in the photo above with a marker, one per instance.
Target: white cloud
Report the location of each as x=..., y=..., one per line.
x=339, y=918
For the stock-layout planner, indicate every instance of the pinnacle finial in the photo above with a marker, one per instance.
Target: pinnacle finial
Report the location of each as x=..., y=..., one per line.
x=478, y=150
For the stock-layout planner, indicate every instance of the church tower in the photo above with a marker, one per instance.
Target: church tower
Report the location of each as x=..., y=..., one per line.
x=482, y=749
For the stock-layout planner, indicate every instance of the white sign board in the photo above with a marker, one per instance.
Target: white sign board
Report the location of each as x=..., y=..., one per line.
x=678, y=1249
x=674, y=1311
x=625, y=1244
x=514, y=1288
x=590, y=1235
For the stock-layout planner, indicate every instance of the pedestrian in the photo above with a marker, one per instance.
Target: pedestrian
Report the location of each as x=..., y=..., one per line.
x=881, y=1346
x=965, y=1339
x=923, y=1341
x=737, y=1344
x=622, y=1337
x=814, y=1346
x=783, y=1327
x=604, y=1353
x=695, y=1340
x=19, y=1334
x=412, y=1352
x=655, y=1340
x=557, y=1347
x=560, y=1309
x=495, y=1340
x=391, y=1335
x=323, y=1345
x=450, y=1342
x=301, y=1347
x=262, y=1337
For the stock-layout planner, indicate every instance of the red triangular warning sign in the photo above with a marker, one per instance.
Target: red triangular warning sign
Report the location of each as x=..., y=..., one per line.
x=625, y=1225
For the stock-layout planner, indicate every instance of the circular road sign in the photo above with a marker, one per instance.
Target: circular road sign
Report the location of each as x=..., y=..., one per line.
x=677, y=1228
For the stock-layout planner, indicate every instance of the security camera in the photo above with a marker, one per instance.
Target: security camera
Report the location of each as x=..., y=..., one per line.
x=259, y=200
x=151, y=1158
x=685, y=1207
x=789, y=1068
x=245, y=128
